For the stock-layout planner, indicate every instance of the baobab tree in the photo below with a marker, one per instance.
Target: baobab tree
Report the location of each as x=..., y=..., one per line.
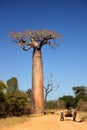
x=36, y=39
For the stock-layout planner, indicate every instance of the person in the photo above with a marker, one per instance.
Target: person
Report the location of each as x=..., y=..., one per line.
x=61, y=116
x=74, y=115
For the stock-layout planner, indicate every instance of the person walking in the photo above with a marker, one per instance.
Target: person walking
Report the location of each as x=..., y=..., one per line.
x=61, y=116
x=74, y=115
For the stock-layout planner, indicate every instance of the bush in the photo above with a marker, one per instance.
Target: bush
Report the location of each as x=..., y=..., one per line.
x=14, y=104
x=17, y=103
x=68, y=101
x=82, y=105
x=51, y=105
x=54, y=104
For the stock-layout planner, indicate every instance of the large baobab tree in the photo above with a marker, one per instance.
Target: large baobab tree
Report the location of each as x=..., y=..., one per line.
x=36, y=39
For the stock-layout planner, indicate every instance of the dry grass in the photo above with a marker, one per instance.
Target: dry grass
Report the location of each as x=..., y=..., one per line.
x=16, y=120
x=12, y=121
x=83, y=116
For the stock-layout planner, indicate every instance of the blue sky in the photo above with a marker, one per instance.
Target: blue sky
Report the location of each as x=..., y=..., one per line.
x=68, y=63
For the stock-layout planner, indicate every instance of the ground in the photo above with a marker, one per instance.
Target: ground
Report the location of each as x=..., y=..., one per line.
x=47, y=122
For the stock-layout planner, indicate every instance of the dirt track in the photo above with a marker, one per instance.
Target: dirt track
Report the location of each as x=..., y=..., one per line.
x=48, y=122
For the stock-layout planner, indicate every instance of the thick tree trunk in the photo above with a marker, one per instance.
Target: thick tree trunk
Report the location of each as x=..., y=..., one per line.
x=37, y=83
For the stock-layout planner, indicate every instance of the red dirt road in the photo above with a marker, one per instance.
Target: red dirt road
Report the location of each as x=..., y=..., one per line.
x=48, y=122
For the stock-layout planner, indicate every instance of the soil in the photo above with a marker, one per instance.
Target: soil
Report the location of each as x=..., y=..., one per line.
x=48, y=122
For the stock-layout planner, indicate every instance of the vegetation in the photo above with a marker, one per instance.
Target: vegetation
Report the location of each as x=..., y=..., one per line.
x=68, y=101
x=79, y=101
x=55, y=104
x=83, y=115
x=80, y=90
x=12, y=85
x=13, y=102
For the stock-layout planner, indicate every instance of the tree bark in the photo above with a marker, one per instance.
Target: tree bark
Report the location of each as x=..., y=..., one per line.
x=37, y=82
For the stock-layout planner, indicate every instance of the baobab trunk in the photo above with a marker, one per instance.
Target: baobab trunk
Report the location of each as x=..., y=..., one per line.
x=37, y=82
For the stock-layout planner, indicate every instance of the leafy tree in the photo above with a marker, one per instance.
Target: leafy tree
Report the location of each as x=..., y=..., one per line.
x=36, y=39
x=80, y=90
x=12, y=85
x=68, y=101
x=3, y=86
x=17, y=103
x=13, y=102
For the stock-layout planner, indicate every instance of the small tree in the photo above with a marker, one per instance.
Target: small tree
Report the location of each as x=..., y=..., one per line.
x=80, y=90
x=12, y=85
x=36, y=39
x=68, y=101
x=50, y=86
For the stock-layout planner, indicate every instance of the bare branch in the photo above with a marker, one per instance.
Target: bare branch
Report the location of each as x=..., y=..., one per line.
x=26, y=48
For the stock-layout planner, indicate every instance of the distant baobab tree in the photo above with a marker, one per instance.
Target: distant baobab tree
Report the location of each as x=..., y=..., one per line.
x=36, y=39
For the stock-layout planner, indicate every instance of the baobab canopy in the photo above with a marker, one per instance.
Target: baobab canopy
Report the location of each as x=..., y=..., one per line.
x=34, y=38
